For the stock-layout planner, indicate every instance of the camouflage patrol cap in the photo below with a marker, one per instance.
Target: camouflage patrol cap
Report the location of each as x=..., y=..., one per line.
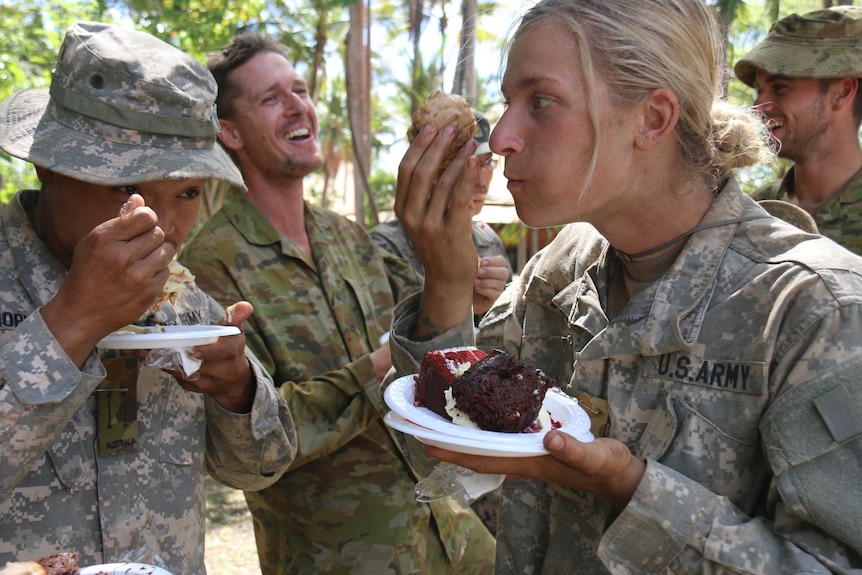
x=818, y=44
x=123, y=108
x=482, y=134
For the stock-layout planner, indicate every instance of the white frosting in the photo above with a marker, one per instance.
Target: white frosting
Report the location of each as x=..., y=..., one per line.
x=458, y=416
x=543, y=420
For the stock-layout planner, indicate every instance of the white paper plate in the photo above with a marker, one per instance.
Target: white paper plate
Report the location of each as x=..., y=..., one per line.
x=173, y=336
x=124, y=569
x=433, y=429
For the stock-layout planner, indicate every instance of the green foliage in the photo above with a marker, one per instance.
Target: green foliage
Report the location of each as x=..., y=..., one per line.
x=382, y=183
x=314, y=31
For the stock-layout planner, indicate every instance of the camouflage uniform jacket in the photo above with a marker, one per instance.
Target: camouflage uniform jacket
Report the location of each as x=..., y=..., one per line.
x=735, y=377
x=347, y=505
x=390, y=237
x=839, y=219
x=56, y=493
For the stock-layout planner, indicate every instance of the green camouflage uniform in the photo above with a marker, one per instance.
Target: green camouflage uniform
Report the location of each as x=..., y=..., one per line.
x=56, y=493
x=347, y=505
x=390, y=236
x=817, y=44
x=735, y=377
x=840, y=218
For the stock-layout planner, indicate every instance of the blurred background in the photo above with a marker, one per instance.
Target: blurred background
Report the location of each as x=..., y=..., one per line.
x=369, y=64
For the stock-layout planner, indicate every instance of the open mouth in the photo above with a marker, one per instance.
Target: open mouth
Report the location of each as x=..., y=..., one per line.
x=300, y=134
x=772, y=124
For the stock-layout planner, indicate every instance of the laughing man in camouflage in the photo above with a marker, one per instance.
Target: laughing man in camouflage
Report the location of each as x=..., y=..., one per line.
x=807, y=75
x=100, y=454
x=322, y=299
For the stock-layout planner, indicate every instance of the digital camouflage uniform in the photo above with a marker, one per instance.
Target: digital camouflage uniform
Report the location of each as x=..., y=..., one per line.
x=390, y=236
x=347, y=505
x=840, y=218
x=735, y=377
x=56, y=493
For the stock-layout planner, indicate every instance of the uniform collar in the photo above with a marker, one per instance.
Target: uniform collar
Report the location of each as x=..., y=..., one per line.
x=255, y=228
x=669, y=315
x=29, y=252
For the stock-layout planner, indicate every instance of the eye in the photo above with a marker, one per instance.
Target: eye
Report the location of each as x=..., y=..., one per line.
x=191, y=193
x=128, y=190
x=541, y=101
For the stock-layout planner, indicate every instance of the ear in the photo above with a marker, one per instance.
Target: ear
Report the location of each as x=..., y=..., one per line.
x=843, y=93
x=229, y=135
x=659, y=118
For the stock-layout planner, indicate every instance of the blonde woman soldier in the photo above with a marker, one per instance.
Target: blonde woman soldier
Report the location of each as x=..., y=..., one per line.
x=723, y=343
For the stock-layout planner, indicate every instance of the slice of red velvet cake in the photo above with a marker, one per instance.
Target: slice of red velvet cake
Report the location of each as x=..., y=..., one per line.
x=438, y=370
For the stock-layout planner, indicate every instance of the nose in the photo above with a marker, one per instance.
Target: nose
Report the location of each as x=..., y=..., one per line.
x=164, y=213
x=504, y=140
x=763, y=101
x=296, y=104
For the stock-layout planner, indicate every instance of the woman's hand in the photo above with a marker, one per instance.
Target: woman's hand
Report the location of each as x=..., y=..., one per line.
x=434, y=209
x=604, y=467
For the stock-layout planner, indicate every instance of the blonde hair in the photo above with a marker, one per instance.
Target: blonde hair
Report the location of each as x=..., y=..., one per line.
x=637, y=46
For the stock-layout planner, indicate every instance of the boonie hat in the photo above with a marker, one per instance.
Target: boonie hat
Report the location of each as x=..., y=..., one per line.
x=123, y=108
x=818, y=44
x=482, y=134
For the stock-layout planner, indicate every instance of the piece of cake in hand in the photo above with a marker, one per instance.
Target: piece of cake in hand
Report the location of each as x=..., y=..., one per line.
x=442, y=109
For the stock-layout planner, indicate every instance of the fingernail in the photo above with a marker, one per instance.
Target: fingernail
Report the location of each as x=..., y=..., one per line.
x=555, y=442
x=124, y=209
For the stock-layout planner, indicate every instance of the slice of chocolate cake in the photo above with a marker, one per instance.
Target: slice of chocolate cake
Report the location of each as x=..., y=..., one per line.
x=438, y=369
x=500, y=393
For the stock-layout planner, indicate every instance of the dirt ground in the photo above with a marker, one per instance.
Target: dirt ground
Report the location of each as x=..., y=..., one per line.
x=230, y=545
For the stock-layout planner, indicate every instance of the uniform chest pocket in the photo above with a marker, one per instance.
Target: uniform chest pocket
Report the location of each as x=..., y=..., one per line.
x=183, y=427
x=682, y=437
x=375, y=315
x=68, y=458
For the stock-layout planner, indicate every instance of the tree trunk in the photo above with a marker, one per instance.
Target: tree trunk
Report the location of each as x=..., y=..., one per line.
x=416, y=65
x=320, y=38
x=830, y=3
x=358, y=78
x=465, y=72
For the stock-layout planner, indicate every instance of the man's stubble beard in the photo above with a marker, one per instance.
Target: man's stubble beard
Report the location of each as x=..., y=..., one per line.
x=805, y=142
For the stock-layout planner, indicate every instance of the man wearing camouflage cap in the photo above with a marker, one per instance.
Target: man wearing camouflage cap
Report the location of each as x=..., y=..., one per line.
x=806, y=73
x=102, y=453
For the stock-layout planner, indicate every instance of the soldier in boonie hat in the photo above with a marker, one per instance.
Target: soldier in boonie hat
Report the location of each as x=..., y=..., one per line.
x=818, y=44
x=123, y=107
x=123, y=143
x=807, y=74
